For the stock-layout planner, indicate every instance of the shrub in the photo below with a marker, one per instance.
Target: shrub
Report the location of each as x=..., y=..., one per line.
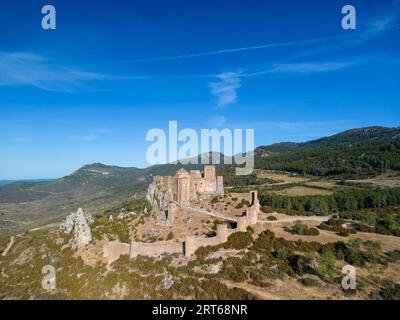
x=239, y=240
x=390, y=291
x=299, y=228
x=239, y=205
x=302, y=229
x=394, y=255
x=170, y=236
x=343, y=232
x=149, y=208
x=309, y=282
x=313, y=232
x=215, y=199
x=272, y=218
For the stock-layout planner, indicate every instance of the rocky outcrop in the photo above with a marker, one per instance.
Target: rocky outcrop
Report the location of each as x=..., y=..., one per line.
x=158, y=198
x=78, y=224
x=124, y=214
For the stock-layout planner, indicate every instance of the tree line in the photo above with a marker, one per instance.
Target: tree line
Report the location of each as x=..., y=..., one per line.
x=339, y=201
x=360, y=159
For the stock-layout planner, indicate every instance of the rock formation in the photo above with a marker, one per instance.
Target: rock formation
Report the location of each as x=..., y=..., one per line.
x=124, y=214
x=78, y=223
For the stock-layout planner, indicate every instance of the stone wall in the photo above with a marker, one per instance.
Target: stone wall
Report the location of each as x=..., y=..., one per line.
x=154, y=249
x=112, y=250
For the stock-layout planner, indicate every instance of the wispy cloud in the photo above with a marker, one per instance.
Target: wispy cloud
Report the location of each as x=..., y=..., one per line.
x=370, y=30
x=20, y=139
x=242, y=49
x=22, y=68
x=225, y=89
x=301, y=68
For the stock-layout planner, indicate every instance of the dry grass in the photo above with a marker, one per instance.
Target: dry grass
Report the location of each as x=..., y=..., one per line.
x=303, y=191
x=388, y=180
x=281, y=177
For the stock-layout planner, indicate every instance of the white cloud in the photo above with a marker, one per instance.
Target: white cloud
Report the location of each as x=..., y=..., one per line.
x=225, y=90
x=302, y=68
x=20, y=139
x=22, y=68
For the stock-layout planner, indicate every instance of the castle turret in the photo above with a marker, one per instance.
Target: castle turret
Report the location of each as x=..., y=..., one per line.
x=209, y=173
x=222, y=233
x=189, y=246
x=242, y=224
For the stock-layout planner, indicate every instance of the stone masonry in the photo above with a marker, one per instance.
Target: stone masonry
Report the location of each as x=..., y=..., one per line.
x=112, y=250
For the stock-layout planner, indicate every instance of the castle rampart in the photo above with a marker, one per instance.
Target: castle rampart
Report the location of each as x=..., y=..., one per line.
x=114, y=249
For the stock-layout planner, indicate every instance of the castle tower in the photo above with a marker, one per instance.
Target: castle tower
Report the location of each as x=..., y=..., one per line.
x=222, y=233
x=241, y=224
x=171, y=212
x=209, y=173
x=255, y=202
x=251, y=215
x=189, y=246
x=220, y=185
x=183, y=196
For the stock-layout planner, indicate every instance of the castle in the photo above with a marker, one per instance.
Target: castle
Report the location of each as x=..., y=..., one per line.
x=165, y=194
x=187, y=185
x=114, y=249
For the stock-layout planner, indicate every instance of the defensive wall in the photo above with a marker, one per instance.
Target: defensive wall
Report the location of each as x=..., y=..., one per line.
x=112, y=250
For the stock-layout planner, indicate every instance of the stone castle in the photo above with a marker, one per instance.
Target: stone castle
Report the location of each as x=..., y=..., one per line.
x=114, y=249
x=184, y=186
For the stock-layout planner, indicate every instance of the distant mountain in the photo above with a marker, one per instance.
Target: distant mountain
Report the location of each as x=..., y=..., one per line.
x=353, y=153
x=5, y=182
x=96, y=187
x=345, y=138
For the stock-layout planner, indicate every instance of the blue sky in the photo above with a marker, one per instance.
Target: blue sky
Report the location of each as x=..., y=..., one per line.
x=91, y=89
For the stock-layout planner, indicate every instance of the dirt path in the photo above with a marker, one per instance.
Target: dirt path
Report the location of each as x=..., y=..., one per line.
x=45, y=227
x=257, y=292
x=296, y=218
x=280, y=220
x=12, y=240
x=202, y=211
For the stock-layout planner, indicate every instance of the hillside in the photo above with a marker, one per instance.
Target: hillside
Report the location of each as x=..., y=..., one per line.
x=97, y=187
x=342, y=139
x=353, y=153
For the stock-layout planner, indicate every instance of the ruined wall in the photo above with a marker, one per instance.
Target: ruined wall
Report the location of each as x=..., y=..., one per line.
x=155, y=248
x=241, y=224
x=114, y=249
x=220, y=185
x=209, y=173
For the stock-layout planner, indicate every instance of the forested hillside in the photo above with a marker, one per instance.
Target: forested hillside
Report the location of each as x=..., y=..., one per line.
x=354, y=153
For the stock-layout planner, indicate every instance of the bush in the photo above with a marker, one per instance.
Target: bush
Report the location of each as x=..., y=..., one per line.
x=343, y=232
x=272, y=218
x=394, y=255
x=302, y=229
x=239, y=240
x=149, y=208
x=215, y=199
x=299, y=228
x=390, y=291
x=313, y=232
x=239, y=205
x=309, y=282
